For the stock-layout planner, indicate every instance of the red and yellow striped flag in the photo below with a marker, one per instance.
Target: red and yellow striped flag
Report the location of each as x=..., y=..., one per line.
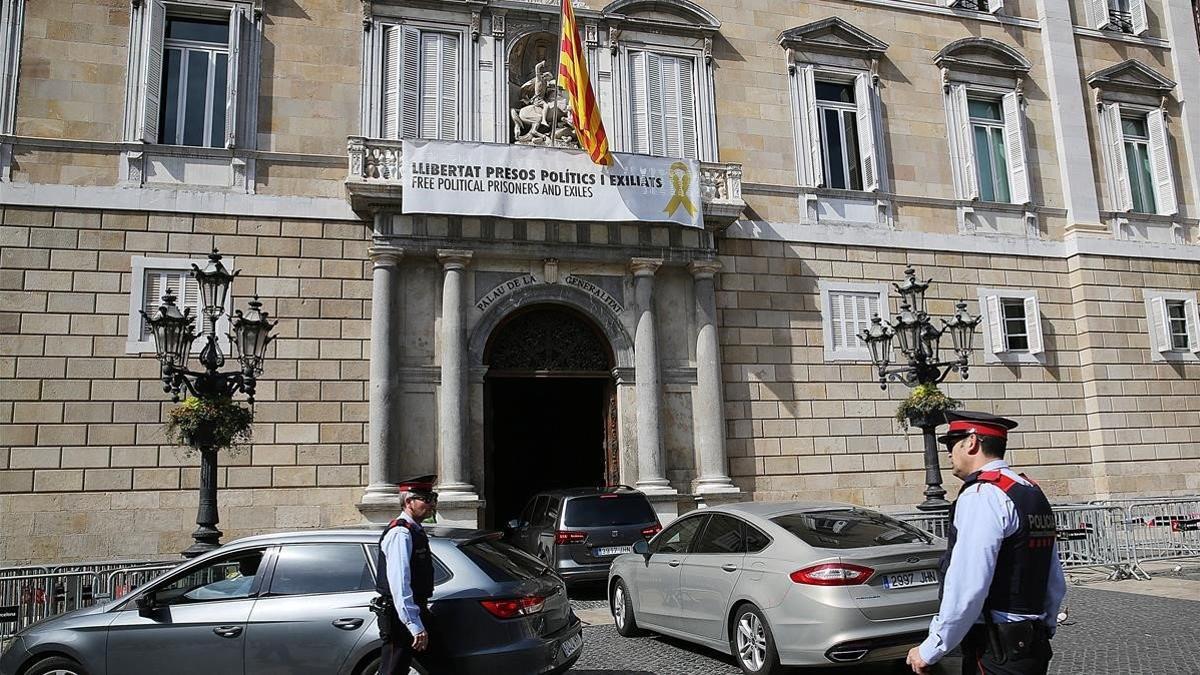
x=573, y=79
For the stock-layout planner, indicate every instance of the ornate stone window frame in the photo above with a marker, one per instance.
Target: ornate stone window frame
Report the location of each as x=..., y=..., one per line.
x=1132, y=86
x=147, y=163
x=679, y=28
x=828, y=289
x=458, y=17
x=995, y=333
x=984, y=67
x=834, y=49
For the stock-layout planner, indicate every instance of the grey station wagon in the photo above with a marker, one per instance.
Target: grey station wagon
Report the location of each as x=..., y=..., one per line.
x=297, y=604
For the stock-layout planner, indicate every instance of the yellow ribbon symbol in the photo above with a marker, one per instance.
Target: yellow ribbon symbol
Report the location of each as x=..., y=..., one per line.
x=681, y=178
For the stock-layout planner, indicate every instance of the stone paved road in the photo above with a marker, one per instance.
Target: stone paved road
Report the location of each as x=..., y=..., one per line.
x=1106, y=633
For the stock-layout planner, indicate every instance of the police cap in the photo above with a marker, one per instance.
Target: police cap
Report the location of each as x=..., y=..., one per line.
x=421, y=486
x=966, y=422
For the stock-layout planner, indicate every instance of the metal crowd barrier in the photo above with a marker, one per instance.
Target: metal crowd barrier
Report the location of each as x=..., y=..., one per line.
x=31, y=594
x=1165, y=530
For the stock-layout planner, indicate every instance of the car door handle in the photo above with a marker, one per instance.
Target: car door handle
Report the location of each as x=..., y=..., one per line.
x=228, y=631
x=674, y=563
x=347, y=624
x=729, y=567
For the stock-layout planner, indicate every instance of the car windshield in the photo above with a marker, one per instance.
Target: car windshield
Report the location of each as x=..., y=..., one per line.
x=848, y=528
x=504, y=562
x=608, y=510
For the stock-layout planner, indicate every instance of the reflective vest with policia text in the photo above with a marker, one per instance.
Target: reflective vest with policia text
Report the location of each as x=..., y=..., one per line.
x=1023, y=564
x=421, y=562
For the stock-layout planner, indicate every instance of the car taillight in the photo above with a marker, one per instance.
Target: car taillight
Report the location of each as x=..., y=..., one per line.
x=508, y=608
x=652, y=530
x=568, y=537
x=832, y=574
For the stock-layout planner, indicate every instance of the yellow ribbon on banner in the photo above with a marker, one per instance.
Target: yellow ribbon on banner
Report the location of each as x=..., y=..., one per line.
x=681, y=179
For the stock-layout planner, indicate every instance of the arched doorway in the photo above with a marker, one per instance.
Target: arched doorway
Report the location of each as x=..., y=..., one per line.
x=550, y=417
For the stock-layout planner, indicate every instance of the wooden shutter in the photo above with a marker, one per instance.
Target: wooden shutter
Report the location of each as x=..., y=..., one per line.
x=960, y=120
x=639, y=115
x=1137, y=15
x=670, y=105
x=837, y=319
x=239, y=32
x=1118, y=169
x=1097, y=13
x=864, y=96
x=1033, y=326
x=995, y=6
x=995, y=323
x=813, y=127
x=1014, y=140
x=1193, y=324
x=410, y=83
x=1160, y=325
x=655, y=104
x=1160, y=159
x=392, y=39
x=684, y=68
x=439, y=74
x=180, y=282
x=152, y=65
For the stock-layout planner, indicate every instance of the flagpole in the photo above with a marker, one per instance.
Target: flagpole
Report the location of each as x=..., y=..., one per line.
x=562, y=20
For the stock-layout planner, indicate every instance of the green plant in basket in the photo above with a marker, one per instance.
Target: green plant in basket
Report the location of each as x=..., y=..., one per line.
x=212, y=423
x=925, y=401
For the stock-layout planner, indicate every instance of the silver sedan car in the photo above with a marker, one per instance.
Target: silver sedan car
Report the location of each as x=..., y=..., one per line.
x=783, y=584
x=297, y=604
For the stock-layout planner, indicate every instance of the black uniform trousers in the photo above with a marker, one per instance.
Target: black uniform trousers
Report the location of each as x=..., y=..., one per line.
x=397, y=654
x=980, y=655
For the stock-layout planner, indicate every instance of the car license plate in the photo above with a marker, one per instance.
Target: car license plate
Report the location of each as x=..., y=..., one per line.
x=611, y=550
x=571, y=645
x=915, y=578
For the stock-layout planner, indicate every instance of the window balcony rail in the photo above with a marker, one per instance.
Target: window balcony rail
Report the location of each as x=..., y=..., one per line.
x=374, y=181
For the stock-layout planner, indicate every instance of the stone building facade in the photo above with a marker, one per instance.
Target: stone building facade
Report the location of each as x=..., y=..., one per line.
x=1037, y=159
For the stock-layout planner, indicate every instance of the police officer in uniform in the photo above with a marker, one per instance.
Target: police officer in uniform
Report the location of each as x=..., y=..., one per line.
x=404, y=579
x=1002, y=582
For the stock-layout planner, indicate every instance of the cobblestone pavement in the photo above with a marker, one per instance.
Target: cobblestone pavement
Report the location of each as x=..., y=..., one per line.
x=1106, y=633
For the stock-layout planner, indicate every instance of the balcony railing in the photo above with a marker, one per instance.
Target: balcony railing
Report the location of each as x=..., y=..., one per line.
x=374, y=181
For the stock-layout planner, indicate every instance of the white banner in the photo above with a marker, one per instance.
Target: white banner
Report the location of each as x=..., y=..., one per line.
x=520, y=181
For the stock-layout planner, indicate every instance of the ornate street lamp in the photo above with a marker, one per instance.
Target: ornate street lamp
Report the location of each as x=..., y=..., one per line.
x=919, y=341
x=174, y=334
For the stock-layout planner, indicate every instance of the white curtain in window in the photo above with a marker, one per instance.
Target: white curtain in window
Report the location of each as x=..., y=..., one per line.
x=1114, y=156
x=1160, y=161
x=662, y=104
x=1014, y=141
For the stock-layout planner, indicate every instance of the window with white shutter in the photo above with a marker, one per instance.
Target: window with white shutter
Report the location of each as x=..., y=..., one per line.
x=987, y=145
x=837, y=119
x=662, y=104
x=1138, y=159
x=847, y=310
x=422, y=82
x=993, y=6
x=194, y=73
x=1173, y=324
x=1124, y=16
x=1012, y=322
x=152, y=278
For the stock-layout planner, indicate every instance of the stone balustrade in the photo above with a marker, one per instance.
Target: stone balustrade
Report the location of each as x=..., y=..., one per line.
x=374, y=180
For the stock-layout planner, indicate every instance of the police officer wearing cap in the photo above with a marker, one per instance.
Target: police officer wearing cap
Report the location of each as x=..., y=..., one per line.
x=404, y=579
x=1002, y=582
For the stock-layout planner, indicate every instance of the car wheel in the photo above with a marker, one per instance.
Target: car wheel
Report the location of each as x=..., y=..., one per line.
x=622, y=610
x=752, y=644
x=370, y=667
x=56, y=665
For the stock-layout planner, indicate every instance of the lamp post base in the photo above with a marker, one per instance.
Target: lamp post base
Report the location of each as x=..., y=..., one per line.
x=935, y=494
x=934, y=504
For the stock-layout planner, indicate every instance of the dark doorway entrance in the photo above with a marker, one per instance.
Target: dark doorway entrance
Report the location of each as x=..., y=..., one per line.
x=549, y=408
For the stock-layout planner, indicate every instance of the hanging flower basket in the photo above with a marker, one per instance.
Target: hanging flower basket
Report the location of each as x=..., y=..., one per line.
x=216, y=424
x=925, y=403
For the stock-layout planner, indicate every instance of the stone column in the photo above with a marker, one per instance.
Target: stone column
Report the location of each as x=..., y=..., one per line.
x=1181, y=27
x=652, y=475
x=708, y=410
x=384, y=412
x=454, y=478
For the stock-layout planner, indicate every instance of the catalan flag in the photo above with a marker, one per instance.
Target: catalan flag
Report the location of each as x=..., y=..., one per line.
x=573, y=79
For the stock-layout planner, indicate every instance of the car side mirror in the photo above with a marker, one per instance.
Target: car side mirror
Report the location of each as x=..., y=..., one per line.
x=641, y=548
x=146, y=603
